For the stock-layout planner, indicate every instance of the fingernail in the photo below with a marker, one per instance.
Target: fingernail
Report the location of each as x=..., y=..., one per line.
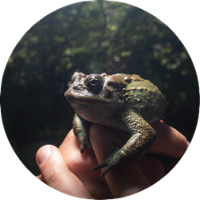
x=43, y=154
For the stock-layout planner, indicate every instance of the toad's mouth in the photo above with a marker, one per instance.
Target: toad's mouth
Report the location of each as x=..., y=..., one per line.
x=78, y=99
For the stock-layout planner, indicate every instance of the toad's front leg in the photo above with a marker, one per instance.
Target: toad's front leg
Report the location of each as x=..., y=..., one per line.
x=81, y=129
x=142, y=137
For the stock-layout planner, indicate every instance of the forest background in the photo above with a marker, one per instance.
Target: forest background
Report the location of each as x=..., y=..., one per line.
x=91, y=37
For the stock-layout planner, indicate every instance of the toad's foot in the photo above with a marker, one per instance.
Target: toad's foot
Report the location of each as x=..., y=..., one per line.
x=112, y=161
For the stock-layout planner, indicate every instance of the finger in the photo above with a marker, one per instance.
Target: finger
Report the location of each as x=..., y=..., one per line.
x=121, y=181
x=70, y=149
x=40, y=178
x=81, y=165
x=56, y=174
x=152, y=168
x=169, y=141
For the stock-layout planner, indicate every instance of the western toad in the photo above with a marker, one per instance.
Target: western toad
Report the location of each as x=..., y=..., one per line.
x=121, y=101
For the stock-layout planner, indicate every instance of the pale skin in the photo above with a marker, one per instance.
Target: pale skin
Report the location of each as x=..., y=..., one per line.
x=69, y=171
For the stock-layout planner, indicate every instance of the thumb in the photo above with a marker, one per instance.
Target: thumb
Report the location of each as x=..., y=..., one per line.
x=56, y=174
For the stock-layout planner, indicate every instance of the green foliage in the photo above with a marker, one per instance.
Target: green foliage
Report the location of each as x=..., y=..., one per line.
x=91, y=37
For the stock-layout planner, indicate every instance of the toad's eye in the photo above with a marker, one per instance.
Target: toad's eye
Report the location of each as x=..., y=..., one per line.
x=94, y=83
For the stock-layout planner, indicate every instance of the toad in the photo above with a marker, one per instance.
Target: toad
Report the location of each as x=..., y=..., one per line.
x=121, y=101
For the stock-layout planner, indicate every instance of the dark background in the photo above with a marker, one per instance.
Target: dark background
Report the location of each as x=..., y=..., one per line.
x=91, y=37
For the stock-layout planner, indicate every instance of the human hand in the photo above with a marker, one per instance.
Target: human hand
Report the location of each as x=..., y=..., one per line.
x=69, y=171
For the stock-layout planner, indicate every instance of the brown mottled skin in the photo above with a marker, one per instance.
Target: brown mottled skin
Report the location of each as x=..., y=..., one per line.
x=121, y=101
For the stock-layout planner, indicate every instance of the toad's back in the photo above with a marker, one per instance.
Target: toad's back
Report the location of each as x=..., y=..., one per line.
x=144, y=98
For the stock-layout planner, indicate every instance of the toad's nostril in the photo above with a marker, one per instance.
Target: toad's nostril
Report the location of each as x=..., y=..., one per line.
x=77, y=87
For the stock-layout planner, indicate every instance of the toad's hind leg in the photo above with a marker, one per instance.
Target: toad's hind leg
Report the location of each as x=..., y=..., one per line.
x=143, y=136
